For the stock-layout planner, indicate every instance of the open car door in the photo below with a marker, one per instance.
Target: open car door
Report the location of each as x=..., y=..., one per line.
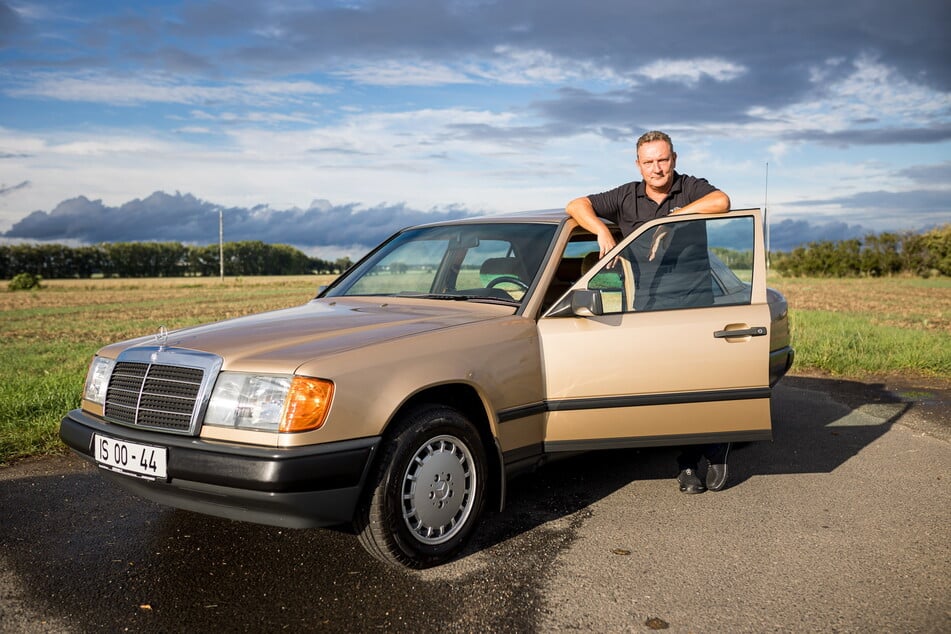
x=663, y=349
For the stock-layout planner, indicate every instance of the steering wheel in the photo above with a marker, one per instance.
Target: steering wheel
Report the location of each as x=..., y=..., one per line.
x=510, y=279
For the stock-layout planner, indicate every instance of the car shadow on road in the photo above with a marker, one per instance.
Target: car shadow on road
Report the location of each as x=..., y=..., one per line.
x=818, y=424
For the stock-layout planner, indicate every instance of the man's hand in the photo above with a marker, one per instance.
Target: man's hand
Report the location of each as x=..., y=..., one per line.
x=606, y=242
x=581, y=210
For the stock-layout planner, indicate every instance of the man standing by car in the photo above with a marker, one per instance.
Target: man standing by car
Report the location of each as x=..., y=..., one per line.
x=662, y=192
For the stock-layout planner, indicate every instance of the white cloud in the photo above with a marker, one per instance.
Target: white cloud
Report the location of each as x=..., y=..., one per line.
x=34, y=12
x=252, y=117
x=394, y=73
x=418, y=158
x=507, y=65
x=517, y=66
x=691, y=71
x=778, y=150
x=872, y=92
x=401, y=141
x=159, y=88
x=100, y=147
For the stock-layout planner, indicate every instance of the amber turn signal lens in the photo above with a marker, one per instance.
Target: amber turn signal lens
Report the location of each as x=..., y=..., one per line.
x=307, y=404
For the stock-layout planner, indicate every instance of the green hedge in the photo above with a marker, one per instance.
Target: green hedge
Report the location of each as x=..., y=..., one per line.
x=160, y=259
x=922, y=254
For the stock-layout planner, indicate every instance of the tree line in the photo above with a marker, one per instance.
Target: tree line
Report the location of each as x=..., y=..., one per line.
x=923, y=254
x=161, y=259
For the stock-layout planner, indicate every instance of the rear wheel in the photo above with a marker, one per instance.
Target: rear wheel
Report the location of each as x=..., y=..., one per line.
x=427, y=492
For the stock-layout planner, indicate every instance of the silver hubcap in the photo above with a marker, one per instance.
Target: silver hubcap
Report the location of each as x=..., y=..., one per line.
x=438, y=489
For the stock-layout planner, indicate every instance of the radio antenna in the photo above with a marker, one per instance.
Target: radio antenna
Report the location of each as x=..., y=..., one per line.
x=765, y=212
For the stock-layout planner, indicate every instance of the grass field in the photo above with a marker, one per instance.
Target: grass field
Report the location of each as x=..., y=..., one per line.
x=850, y=328
x=50, y=335
x=864, y=327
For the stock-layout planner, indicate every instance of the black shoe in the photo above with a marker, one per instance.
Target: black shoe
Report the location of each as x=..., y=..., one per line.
x=689, y=482
x=717, y=470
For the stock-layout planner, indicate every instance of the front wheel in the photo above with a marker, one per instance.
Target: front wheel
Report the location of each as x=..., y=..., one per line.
x=427, y=492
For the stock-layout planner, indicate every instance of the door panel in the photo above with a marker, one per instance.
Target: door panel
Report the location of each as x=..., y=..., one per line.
x=658, y=368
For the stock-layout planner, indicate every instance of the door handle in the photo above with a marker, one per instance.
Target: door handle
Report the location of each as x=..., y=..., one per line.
x=755, y=331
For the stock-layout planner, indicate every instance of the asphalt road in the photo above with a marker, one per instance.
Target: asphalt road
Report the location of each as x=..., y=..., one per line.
x=840, y=524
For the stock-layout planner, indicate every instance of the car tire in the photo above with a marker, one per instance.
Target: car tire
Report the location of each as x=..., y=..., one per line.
x=427, y=492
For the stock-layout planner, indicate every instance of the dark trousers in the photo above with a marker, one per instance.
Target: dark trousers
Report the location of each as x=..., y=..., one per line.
x=690, y=455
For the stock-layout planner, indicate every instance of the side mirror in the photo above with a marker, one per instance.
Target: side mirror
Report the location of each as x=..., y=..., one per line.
x=586, y=303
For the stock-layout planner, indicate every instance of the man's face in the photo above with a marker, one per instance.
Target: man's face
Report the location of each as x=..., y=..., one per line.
x=656, y=162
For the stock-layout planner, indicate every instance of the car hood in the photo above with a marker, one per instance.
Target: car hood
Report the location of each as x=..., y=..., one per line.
x=280, y=341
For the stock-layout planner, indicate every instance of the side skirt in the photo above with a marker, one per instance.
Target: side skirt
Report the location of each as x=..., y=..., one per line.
x=656, y=441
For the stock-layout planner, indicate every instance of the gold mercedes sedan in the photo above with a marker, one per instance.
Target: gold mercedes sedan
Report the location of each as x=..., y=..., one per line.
x=453, y=356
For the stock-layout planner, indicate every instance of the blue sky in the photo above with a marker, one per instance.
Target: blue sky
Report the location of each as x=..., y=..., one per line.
x=328, y=125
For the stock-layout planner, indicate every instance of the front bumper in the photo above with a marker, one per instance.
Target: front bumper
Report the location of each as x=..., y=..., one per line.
x=299, y=487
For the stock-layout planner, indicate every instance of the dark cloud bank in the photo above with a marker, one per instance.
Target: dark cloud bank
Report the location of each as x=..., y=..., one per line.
x=185, y=218
x=789, y=234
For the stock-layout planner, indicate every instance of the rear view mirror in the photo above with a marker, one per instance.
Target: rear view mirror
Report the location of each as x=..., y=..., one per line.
x=466, y=240
x=586, y=303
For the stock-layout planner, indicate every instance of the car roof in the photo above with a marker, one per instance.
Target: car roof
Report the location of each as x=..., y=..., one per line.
x=547, y=216
x=543, y=216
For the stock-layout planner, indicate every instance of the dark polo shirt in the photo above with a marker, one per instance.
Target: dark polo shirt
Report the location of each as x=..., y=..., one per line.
x=629, y=207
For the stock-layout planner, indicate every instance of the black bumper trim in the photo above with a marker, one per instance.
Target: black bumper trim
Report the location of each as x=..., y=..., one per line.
x=779, y=363
x=637, y=400
x=753, y=435
x=265, y=469
x=675, y=398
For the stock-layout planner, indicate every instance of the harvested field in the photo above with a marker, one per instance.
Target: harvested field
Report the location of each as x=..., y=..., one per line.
x=863, y=328
x=903, y=302
x=101, y=311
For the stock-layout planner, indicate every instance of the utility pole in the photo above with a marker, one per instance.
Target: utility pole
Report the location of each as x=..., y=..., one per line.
x=221, y=243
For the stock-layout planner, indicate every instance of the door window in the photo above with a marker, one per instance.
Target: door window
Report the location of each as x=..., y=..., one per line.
x=688, y=264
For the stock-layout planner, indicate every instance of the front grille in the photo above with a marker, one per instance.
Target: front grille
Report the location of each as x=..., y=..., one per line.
x=156, y=396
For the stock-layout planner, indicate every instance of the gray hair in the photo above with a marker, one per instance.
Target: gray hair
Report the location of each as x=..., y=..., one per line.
x=654, y=135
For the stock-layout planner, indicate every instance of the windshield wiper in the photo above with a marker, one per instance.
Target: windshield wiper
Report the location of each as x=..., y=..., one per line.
x=459, y=297
x=491, y=300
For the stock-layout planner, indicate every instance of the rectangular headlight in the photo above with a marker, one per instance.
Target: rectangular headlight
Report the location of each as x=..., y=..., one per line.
x=267, y=402
x=97, y=380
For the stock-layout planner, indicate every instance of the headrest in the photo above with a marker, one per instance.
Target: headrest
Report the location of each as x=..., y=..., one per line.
x=590, y=259
x=569, y=270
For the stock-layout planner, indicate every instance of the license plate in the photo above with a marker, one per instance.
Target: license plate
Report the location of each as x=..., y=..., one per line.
x=143, y=461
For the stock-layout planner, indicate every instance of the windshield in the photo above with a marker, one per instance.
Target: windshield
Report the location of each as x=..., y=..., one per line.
x=480, y=262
